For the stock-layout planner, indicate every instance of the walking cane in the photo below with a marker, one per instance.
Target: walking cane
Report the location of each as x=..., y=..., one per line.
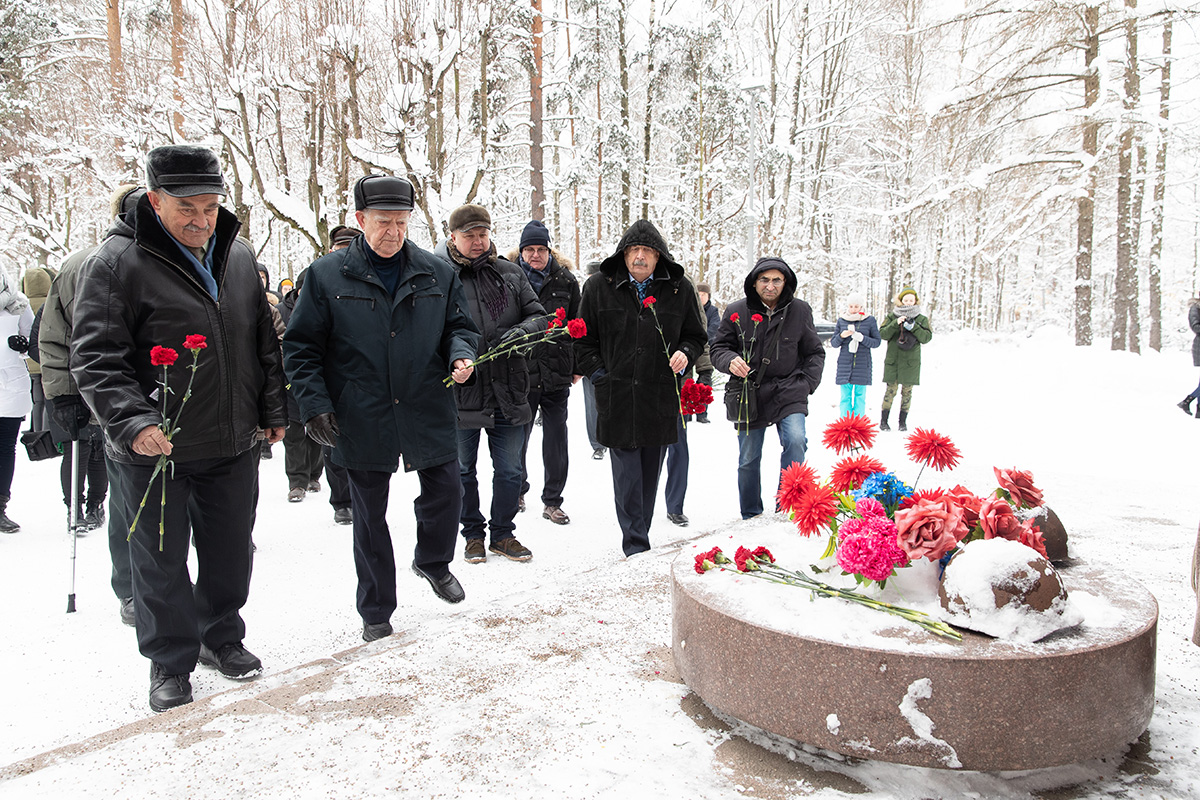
x=72, y=522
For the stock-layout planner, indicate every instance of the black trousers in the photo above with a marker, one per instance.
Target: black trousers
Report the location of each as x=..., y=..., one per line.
x=339, y=483
x=215, y=499
x=678, y=461
x=554, y=444
x=635, y=487
x=91, y=473
x=437, y=510
x=118, y=535
x=303, y=459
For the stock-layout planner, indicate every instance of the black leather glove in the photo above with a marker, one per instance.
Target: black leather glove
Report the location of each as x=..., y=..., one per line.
x=511, y=335
x=70, y=414
x=19, y=343
x=323, y=429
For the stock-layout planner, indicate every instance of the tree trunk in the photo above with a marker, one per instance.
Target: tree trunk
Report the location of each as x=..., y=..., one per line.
x=1125, y=282
x=649, y=109
x=1160, y=192
x=536, y=180
x=1085, y=221
x=626, y=137
x=116, y=67
x=177, y=64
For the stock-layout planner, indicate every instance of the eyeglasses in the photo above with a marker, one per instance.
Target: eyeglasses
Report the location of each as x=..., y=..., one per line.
x=770, y=281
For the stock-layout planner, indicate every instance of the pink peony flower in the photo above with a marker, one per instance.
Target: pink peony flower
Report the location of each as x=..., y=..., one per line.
x=930, y=529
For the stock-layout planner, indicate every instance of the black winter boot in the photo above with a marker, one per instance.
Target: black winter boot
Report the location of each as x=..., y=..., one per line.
x=1186, y=405
x=6, y=524
x=903, y=420
x=883, y=425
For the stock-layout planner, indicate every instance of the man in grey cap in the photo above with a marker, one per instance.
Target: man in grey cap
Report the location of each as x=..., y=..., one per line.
x=170, y=269
x=376, y=329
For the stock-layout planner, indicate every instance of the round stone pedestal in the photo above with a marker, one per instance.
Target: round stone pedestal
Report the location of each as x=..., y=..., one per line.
x=887, y=690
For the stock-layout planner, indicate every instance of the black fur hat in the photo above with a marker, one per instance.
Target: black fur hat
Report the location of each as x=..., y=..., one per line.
x=183, y=170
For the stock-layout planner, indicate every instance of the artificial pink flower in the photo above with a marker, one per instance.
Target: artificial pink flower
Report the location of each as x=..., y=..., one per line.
x=930, y=448
x=871, y=556
x=1031, y=536
x=930, y=529
x=968, y=501
x=1019, y=485
x=998, y=521
x=870, y=507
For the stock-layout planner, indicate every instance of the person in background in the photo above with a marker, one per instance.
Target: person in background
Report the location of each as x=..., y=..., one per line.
x=1194, y=324
x=551, y=365
x=35, y=285
x=712, y=317
x=855, y=335
x=589, y=394
x=906, y=330
x=16, y=320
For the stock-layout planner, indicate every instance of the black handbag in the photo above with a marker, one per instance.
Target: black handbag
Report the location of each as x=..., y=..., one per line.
x=741, y=407
x=39, y=445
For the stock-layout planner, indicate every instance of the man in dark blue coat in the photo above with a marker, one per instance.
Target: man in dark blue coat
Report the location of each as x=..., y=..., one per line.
x=377, y=327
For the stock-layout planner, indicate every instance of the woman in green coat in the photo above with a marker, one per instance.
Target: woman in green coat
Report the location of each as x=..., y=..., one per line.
x=904, y=330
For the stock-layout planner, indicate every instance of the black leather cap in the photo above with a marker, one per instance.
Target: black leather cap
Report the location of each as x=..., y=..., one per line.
x=383, y=192
x=184, y=170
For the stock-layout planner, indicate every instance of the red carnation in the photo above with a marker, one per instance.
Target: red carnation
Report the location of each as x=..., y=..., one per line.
x=649, y=301
x=816, y=509
x=560, y=313
x=694, y=397
x=1019, y=485
x=554, y=323
x=162, y=356
x=849, y=432
x=576, y=328
x=708, y=560
x=794, y=482
x=933, y=450
x=194, y=341
x=734, y=317
x=761, y=552
x=743, y=559
x=849, y=473
x=756, y=318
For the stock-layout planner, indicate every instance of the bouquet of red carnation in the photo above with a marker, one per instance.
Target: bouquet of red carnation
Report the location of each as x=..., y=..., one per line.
x=165, y=357
x=557, y=325
x=695, y=397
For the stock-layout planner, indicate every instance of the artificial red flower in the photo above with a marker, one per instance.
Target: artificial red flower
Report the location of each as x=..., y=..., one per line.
x=998, y=521
x=649, y=301
x=576, y=328
x=733, y=317
x=970, y=504
x=849, y=473
x=872, y=555
x=162, y=356
x=930, y=529
x=560, y=313
x=923, y=494
x=930, y=448
x=756, y=318
x=194, y=341
x=1031, y=536
x=708, y=560
x=849, y=432
x=1019, y=485
x=794, y=482
x=816, y=509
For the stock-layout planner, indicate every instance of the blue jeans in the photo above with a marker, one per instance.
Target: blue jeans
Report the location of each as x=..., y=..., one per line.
x=750, y=444
x=505, y=441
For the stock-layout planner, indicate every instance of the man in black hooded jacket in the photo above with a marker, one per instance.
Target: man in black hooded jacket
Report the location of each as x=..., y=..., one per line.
x=644, y=329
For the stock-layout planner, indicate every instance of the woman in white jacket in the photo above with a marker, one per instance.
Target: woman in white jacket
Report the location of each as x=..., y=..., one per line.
x=16, y=318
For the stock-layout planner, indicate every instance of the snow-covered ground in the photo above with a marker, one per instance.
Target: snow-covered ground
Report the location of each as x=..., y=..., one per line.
x=555, y=678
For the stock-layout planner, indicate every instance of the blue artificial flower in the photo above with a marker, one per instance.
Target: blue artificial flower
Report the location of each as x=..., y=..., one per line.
x=886, y=488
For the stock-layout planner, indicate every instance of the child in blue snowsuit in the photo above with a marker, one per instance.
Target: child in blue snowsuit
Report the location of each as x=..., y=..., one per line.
x=855, y=335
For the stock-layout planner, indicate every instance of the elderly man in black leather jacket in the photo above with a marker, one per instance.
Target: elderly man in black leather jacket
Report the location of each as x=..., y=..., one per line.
x=175, y=268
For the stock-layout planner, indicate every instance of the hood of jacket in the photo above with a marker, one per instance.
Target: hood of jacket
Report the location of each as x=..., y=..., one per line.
x=645, y=234
x=789, y=283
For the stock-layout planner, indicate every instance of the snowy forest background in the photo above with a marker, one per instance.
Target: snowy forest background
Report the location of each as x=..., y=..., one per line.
x=1020, y=164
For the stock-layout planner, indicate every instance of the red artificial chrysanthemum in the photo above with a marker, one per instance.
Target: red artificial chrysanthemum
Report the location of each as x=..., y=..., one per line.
x=734, y=317
x=794, y=482
x=923, y=494
x=930, y=448
x=560, y=313
x=195, y=341
x=706, y=561
x=849, y=473
x=756, y=318
x=849, y=432
x=576, y=328
x=816, y=509
x=649, y=301
x=162, y=356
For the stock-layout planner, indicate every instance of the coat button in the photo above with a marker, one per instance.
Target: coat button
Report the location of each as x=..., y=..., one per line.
x=393, y=334
x=396, y=402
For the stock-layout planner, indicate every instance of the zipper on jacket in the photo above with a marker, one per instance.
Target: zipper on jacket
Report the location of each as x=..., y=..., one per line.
x=370, y=300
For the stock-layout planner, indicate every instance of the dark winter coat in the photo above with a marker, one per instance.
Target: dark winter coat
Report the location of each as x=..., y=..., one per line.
x=137, y=291
x=855, y=368
x=377, y=361
x=1194, y=324
x=54, y=335
x=552, y=364
x=712, y=319
x=786, y=354
x=623, y=352
x=903, y=366
x=502, y=383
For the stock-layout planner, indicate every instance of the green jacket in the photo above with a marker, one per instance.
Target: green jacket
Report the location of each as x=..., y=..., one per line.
x=903, y=366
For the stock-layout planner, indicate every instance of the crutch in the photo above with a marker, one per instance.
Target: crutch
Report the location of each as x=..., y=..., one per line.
x=72, y=522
